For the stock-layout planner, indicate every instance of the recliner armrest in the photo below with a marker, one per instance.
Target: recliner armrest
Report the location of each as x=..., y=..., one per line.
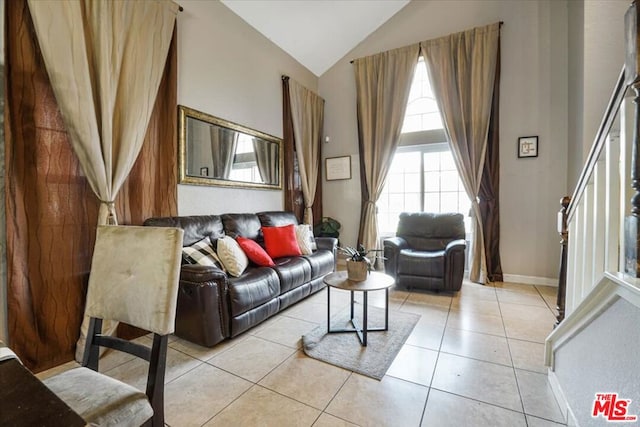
x=202, y=307
x=392, y=247
x=454, y=245
x=201, y=273
x=396, y=243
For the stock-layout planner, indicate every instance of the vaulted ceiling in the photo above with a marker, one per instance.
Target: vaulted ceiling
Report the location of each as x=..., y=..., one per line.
x=317, y=33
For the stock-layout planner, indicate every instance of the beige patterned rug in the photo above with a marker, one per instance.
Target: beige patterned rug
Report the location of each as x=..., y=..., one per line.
x=344, y=349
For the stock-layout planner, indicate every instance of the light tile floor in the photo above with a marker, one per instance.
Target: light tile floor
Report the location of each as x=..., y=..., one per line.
x=475, y=358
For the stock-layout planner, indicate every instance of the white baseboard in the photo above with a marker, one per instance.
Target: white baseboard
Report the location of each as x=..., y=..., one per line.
x=530, y=280
x=563, y=404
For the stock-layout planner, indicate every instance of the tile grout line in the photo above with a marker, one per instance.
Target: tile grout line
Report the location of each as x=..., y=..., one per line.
x=435, y=365
x=515, y=376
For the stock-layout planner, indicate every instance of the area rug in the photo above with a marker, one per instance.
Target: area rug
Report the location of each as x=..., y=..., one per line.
x=344, y=349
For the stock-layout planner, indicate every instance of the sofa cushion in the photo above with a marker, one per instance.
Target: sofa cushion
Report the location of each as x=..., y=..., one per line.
x=292, y=271
x=255, y=252
x=254, y=288
x=277, y=218
x=232, y=256
x=202, y=253
x=281, y=241
x=195, y=227
x=420, y=263
x=244, y=225
x=321, y=262
x=430, y=231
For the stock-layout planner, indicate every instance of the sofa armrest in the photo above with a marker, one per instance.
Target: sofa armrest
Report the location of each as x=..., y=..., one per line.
x=329, y=244
x=202, y=273
x=202, y=307
x=455, y=245
x=392, y=247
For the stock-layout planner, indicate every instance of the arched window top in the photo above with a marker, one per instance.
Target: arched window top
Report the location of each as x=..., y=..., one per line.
x=422, y=109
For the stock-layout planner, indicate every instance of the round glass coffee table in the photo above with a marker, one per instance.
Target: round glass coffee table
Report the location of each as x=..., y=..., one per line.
x=375, y=282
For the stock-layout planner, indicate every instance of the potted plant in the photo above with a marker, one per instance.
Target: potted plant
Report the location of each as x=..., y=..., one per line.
x=358, y=262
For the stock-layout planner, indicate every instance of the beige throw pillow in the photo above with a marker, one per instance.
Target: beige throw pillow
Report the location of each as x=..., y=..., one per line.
x=232, y=256
x=305, y=239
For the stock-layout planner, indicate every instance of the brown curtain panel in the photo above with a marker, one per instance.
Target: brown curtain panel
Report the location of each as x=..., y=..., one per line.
x=489, y=193
x=51, y=209
x=293, y=196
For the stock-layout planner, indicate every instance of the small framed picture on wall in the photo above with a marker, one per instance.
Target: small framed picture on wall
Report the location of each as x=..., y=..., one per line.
x=527, y=146
x=338, y=168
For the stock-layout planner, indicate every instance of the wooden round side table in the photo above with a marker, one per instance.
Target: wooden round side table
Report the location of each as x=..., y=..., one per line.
x=375, y=281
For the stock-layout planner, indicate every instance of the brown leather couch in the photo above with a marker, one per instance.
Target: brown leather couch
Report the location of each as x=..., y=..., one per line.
x=427, y=252
x=213, y=306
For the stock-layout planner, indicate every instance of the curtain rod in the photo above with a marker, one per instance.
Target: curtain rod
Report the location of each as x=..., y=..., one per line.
x=501, y=24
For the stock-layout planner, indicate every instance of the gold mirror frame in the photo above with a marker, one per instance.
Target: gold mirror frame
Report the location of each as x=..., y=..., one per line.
x=184, y=113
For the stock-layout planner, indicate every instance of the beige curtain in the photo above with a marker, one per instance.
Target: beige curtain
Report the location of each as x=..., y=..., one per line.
x=462, y=69
x=105, y=60
x=383, y=82
x=307, y=114
x=267, y=156
x=223, y=149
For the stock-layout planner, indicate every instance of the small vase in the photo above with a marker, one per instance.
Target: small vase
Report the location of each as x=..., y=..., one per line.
x=357, y=271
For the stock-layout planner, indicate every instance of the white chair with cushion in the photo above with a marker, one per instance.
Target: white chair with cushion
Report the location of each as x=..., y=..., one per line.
x=134, y=279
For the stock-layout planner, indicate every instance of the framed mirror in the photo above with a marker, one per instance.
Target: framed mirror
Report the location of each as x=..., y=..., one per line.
x=214, y=151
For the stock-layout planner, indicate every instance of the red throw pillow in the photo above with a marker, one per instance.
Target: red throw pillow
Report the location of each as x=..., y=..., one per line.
x=281, y=241
x=255, y=252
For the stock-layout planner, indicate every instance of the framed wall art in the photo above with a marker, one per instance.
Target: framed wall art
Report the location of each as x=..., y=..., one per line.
x=527, y=146
x=338, y=168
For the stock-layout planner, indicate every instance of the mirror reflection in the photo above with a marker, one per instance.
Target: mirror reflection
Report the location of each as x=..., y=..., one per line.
x=217, y=152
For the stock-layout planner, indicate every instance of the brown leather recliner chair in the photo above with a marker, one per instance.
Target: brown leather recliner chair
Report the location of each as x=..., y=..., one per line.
x=427, y=252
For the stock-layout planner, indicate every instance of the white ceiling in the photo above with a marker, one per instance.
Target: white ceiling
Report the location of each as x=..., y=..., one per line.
x=317, y=33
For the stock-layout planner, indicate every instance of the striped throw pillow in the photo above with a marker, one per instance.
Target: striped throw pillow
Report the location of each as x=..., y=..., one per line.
x=202, y=253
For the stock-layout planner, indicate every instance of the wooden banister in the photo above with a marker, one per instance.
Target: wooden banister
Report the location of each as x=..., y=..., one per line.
x=563, y=229
x=632, y=79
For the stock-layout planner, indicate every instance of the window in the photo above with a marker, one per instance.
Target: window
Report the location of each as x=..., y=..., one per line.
x=421, y=179
x=422, y=110
x=423, y=176
x=245, y=167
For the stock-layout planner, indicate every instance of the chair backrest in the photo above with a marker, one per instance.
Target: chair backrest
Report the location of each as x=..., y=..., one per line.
x=134, y=279
x=430, y=231
x=134, y=276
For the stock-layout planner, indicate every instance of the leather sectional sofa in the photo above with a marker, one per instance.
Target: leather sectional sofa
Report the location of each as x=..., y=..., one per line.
x=213, y=306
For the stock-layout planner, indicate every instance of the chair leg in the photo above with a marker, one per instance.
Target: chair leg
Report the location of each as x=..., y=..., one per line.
x=92, y=350
x=155, y=381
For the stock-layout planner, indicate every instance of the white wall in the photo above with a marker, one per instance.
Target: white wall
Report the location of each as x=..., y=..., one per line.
x=596, y=55
x=576, y=93
x=229, y=70
x=533, y=101
x=601, y=358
